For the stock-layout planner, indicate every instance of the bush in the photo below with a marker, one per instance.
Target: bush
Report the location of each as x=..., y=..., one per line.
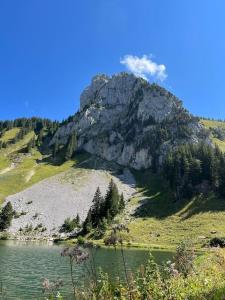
x=217, y=242
x=4, y=236
x=69, y=225
x=80, y=240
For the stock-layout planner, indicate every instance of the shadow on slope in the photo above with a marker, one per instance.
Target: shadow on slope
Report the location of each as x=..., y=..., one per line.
x=158, y=200
x=97, y=163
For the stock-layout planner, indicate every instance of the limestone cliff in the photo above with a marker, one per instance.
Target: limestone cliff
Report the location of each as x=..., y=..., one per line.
x=125, y=119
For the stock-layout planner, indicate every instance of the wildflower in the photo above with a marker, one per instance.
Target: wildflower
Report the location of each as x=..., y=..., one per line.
x=77, y=254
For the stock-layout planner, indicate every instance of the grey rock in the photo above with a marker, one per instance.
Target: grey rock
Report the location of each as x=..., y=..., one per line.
x=123, y=119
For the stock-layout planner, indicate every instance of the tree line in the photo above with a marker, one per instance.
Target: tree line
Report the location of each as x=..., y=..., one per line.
x=195, y=168
x=41, y=127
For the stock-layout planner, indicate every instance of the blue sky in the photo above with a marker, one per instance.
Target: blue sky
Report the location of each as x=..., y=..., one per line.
x=50, y=49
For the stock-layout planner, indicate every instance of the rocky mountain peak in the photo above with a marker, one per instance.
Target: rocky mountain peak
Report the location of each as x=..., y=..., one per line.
x=126, y=119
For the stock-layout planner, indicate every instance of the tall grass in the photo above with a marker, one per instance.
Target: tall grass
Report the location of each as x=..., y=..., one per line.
x=186, y=277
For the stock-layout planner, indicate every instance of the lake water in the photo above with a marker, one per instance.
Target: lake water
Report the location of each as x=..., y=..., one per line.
x=23, y=267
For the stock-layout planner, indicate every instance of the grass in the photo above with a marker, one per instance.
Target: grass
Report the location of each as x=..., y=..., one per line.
x=9, y=134
x=32, y=168
x=15, y=180
x=211, y=124
x=163, y=223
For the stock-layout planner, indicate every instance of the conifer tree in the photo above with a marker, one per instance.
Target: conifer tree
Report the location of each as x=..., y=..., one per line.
x=6, y=216
x=122, y=203
x=112, y=200
x=87, y=225
x=96, y=209
x=77, y=220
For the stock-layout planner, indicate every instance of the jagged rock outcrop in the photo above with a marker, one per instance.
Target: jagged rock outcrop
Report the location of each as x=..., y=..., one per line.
x=125, y=119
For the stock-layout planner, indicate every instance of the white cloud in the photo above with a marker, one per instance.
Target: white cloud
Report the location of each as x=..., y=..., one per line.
x=144, y=67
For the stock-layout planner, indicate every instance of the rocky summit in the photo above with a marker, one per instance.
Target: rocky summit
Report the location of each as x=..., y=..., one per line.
x=130, y=121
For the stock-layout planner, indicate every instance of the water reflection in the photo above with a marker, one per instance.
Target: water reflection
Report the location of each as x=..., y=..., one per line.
x=23, y=266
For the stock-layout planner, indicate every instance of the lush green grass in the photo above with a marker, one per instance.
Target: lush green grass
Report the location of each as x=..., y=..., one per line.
x=161, y=222
x=31, y=169
x=6, y=153
x=9, y=134
x=211, y=124
x=17, y=179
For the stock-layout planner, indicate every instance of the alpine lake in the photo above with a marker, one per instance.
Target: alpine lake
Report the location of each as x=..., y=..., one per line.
x=25, y=265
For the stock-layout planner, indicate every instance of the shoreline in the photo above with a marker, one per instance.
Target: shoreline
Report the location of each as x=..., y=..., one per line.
x=70, y=242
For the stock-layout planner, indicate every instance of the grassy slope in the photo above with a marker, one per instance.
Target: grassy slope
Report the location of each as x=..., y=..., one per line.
x=160, y=222
x=215, y=124
x=163, y=223
x=20, y=177
x=10, y=134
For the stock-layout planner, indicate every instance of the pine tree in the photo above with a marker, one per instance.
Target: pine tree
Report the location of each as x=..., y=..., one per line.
x=122, y=203
x=87, y=225
x=77, y=220
x=6, y=216
x=112, y=200
x=96, y=208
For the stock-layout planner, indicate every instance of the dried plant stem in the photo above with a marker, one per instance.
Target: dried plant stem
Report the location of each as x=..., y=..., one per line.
x=72, y=278
x=125, y=268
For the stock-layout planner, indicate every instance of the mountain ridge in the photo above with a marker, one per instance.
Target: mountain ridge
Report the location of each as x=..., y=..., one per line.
x=119, y=116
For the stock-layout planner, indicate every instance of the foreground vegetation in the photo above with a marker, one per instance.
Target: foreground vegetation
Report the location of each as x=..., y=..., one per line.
x=186, y=277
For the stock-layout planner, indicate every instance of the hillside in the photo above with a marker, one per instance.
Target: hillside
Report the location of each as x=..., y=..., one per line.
x=46, y=192
x=124, y=131
x=157, y=220
x=217, y=132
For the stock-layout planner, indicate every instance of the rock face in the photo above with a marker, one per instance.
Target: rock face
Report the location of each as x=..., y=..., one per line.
x=130, y=121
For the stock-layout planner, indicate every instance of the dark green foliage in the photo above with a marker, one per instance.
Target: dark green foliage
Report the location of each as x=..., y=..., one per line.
x=112, y=200
x=217, y=242
x=34, y=123
x=122, y=203
x=6, y=216
x=87, y=225
x=70, y=224
x=103, y=210
x=43, y=128
x=97, y=207
x=77, y=220
x=195, y=168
